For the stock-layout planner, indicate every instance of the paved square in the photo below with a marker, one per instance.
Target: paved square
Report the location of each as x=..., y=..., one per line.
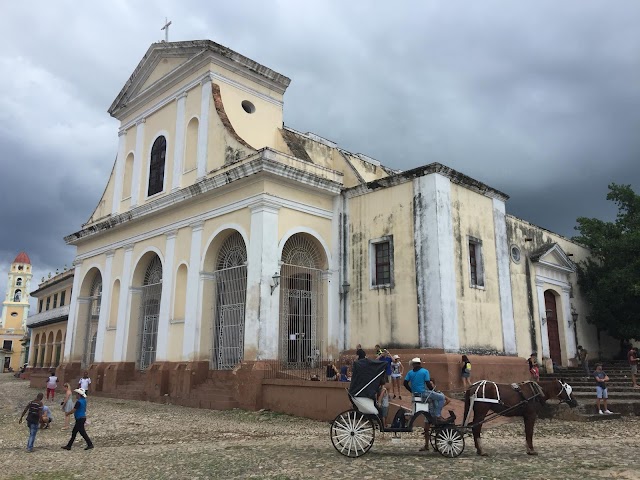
x=146, y=440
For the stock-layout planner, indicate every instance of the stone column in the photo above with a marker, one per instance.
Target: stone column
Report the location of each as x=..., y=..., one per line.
x=504, y=278
x=178, y=149
x=262, y=305
x=105, y=306
x=435, y=263
x=123, y=313
x=203, y=127
x=192, y=324
x=542, y=312
x=72, y=321
x=570, y=340
x=119, y=172
x=165, y=298
x=47, y=355
x=137, y=163
x=335, y=330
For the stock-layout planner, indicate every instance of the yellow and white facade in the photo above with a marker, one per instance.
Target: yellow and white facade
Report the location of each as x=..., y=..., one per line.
x=15, y=309
x=224, y=236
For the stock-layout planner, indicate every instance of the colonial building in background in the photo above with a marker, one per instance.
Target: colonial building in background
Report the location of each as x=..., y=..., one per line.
x=48, y=327
x=15, y=310
x=225, y=238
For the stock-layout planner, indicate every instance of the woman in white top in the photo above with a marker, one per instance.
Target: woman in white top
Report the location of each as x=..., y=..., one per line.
x=52, y=384
x=397, y=369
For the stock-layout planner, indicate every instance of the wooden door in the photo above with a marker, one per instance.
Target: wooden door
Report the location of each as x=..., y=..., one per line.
x=552, y=327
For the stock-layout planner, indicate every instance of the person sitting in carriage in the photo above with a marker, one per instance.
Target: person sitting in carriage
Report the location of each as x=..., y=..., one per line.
x=418, y=382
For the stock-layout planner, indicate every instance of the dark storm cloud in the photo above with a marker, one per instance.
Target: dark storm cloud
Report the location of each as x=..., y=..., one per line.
x=537, y=99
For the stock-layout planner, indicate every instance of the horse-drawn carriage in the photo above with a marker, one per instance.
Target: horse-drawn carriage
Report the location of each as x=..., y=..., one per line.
x=353, y=431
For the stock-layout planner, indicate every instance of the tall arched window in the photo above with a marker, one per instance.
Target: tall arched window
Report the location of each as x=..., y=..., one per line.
x=156, y=167
x=17, y=295
x=191, y=147
x=128, y=176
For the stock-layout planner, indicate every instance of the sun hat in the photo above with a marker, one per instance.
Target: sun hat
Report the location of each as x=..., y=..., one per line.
x=416, y=360
x=80, y=391
x=396, y=356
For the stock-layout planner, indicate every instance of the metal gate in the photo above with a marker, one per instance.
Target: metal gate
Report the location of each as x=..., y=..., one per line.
x=149, y=313
x=229, y=308
x=301, y=301
x=92, y=322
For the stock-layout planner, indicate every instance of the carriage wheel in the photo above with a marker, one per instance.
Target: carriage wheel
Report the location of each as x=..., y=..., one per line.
x=449, y=442
x=432, y=438
x=352, y=434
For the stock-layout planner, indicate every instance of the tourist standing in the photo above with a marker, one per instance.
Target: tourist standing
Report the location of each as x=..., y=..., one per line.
x=632, y=356
x=84, y=383
x=33, y=419
x=383, y=402
x=80, y=414
x=67, y=405
x=465, y=372
x=397, y=369
x=360, y=352
x=601, y=388
x=52, y=384
x=583, y=357
x=534, y=370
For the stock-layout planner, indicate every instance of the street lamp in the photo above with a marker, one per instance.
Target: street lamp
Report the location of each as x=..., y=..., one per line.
x=275, y=282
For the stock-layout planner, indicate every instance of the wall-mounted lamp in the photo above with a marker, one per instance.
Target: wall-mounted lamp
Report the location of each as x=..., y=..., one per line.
x=346, y=286
x=574, y=319
x=543, y=320
x=275, y=282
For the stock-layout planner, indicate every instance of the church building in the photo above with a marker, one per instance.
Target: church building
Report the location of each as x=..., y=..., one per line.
x=224, y=237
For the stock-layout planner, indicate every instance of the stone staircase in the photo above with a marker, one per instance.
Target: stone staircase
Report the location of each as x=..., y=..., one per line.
x=216, y=392
x=623, y=399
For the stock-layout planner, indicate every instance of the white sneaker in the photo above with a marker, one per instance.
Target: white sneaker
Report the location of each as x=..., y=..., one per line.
x=600, y=412
x=608, y=411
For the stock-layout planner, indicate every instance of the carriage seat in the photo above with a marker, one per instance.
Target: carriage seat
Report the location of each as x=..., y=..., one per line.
x=420, y=404
x=364, y=405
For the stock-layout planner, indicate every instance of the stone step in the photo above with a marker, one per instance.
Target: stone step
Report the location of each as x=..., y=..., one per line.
x=596, y=417
x=612, y=394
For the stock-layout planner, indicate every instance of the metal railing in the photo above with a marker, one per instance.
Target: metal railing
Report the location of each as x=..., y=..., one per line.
x=312, y=368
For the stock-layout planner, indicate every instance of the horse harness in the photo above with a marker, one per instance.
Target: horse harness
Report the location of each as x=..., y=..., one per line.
x=479, y=395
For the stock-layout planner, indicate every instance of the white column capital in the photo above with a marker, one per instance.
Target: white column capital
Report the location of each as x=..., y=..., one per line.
x=182, y=95
x=110, y=253
x=140, y=121
x=122, y=133
x=263, y=205
x=128, y=247
x=566, y=289
x=539, y=283
x=77, y=262
x=171, y=234
x=197, y=226
x=205, y=80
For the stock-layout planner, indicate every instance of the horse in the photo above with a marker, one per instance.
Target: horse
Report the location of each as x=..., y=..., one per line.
x=525, y=400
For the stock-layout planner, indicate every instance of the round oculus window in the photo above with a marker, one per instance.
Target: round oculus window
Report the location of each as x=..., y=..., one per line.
x=515, y=254
x=248, y=107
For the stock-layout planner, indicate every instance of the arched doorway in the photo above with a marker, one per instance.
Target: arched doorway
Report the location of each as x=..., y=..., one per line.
x=553, y=331
x=151, y=292
x=230, y=299
x=301, y=300
x=95, y=299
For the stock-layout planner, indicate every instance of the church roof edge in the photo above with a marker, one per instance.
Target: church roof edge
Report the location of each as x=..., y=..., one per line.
x=199, y=45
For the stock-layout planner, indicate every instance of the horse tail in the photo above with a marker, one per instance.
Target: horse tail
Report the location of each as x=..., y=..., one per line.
x=467, y=404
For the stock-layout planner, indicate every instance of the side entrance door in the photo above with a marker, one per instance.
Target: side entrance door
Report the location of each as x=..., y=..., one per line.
x=552, y=327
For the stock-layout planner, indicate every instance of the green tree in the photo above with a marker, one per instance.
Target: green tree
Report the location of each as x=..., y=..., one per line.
x=610, y=279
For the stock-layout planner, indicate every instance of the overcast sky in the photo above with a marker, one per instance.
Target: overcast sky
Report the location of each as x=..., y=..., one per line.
x=538, y=99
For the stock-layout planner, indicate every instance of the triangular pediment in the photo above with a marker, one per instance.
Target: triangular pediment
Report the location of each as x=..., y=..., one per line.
x=552, y=255
x=167, y=63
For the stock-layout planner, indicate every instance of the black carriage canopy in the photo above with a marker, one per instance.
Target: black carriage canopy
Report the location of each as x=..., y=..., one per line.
x=366, y=377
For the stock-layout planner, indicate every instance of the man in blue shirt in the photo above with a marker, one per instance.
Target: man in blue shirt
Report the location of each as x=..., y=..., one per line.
x=80, y=413
x=418, y=382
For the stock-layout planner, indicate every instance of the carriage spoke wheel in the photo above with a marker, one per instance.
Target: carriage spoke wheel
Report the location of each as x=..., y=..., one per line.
x=352, y=434
x=449, y=442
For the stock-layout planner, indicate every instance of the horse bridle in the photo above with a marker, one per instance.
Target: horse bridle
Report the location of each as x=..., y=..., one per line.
x=566, y=389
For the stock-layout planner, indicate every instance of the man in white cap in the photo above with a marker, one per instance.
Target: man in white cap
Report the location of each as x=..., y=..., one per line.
x=418, y=382
x=80, y=413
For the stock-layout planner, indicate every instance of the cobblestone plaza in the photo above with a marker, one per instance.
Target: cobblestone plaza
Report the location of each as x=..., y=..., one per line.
x=147, y=440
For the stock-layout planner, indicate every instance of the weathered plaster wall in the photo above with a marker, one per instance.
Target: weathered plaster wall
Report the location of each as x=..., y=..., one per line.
x=479, y=316
x=387, y=316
